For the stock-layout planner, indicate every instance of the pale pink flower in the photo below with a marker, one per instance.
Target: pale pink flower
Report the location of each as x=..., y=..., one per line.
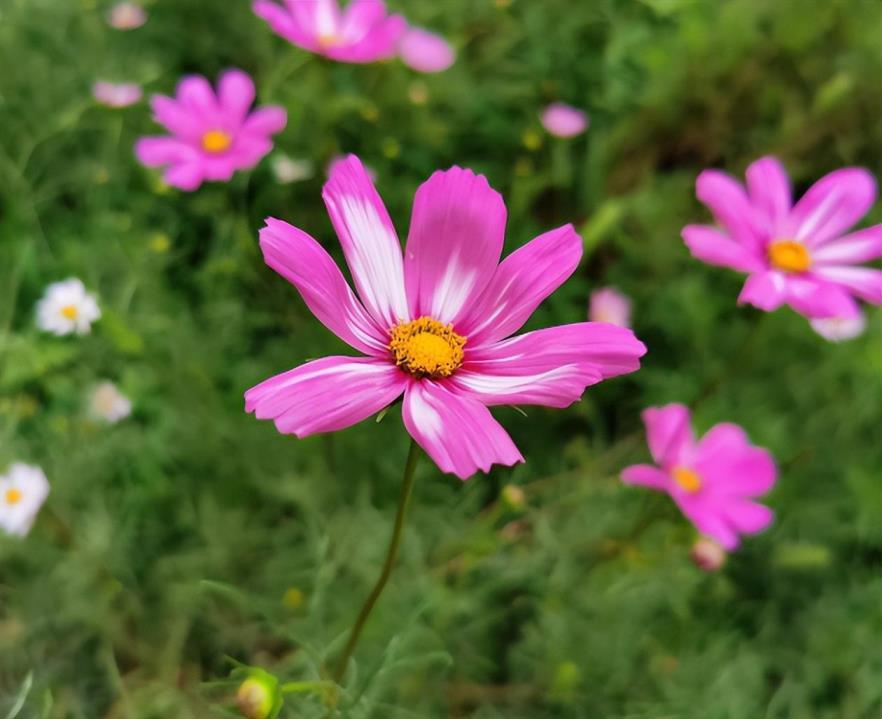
x=212, y=135
x=362, y=32
x=609, y=305
x=113, y=94
x=794, y=254
x=708, y=555
x=564, y=120
x=712, y=480
x=425, y=51
x=433, y=322
x=840, y=329
x=126, y=16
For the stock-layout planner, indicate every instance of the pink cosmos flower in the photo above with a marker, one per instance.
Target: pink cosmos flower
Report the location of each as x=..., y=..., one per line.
x=563, y=120
x=363, y=32
x=433, y=322
x=114, y=94
x=126, y=16
x=793, y=254
x=425, y=51
x=712, y=480
x=212, y=135
x=609, y=305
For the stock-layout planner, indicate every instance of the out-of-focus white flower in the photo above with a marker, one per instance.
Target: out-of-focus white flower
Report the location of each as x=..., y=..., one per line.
x=839, y=329
x=109, y=404
x=563, y=120
x=23, y=489
x=66, y=308
x=126, y=16
x=708, y=555
x=116, y=94
x=287, y=169
x=610, y=305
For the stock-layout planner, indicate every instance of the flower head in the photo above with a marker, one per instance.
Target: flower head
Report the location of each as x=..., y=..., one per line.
x=362, y=32
x=610, y=305
x=287, y=169
x=425, y=51
x=259, y=696
x=840, y=329
x=708, y=555
x=212, y=134
x=794, y=254
x=115, y=94
x=563, y=120
x=67, y=308
x=712, y=480
x=126, y=16
x=109, y=404
x=435, y=323
x=23, y=489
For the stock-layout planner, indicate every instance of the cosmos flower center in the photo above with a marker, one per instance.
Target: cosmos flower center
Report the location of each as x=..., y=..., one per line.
x=426, y=347
x=216, y=141
x=328, y=39
x=789, y=256
x=69, y=312
x=687, y=479
x=13, y=496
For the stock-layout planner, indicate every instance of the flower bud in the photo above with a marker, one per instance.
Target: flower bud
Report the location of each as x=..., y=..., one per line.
x=513, y=497
x=708, y=555
x=258, y=696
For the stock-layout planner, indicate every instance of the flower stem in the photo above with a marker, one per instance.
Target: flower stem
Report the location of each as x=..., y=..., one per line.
x=391, y=555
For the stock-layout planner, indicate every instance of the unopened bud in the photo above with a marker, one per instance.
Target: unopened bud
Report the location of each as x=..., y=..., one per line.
x=513, y=496
x=708, y=555
x=258, y=696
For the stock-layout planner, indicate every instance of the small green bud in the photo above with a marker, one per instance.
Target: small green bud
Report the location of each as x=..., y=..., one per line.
x=258, y=696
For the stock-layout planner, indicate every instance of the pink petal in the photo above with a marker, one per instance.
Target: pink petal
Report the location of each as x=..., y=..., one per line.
x=765, y=290
x=159, y=151
x=747, y=517
x=326, y=395
x=769, y=190
x=425, y=51
x=177, y=119
x=865, y=282
x=729, y=464
x=521, y=282
x=716, y=248
x=457, y=432
x=267, y=120
x=669, y=434
x=235, y=94
x=454, y=244
x=562, y=120
x=711, y=522
x=306, y=265
x=187, y=176
x=378, y=44
x=815, y=297
x=369, y=241
x=609, y=305
x=840, y=329
x=360, y=18
x=861, y=246
x=727, y=200
x=285, y=23
x=195, y=94
x=832, y=205
x=646, y=475
x=549, y=367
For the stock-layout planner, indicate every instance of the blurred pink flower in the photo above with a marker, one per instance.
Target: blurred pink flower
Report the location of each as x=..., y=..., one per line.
x=794, y=254
x=708, y=555
x=126, y=16
x=840, y=329
x=564, y=120
x=114, y=94
x=212, y=135
x=433, y=322
x=609, y=305
x=425, y=51
x=362, y=32
x=712, y=480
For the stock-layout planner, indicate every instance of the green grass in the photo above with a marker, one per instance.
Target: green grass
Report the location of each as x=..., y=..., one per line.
x=170, y=540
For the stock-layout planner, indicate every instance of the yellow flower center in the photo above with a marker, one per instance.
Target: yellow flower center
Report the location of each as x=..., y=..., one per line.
x=13, y=496
x=69, y=312
x=790, y=256
x=688, y=479
x=426, y=348
x=216, y=141
x=328, y=39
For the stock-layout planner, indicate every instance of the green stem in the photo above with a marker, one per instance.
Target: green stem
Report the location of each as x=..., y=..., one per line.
x=391, y=555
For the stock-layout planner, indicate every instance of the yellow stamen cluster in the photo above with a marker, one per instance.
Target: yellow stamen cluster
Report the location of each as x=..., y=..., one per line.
x=216, y=141
x=69, y=312
x=13, y=496
x=789, y=256
x=328, y=40
x=688, y=479
x=426, y=347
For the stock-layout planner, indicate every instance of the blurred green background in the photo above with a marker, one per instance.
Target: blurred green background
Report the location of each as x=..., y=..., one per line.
x=191, y=532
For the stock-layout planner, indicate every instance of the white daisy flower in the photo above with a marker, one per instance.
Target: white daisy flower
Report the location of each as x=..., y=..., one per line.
x=839, y=329
x=287, y=169
x=109, y=404
x=66, y=308
x=23, y=489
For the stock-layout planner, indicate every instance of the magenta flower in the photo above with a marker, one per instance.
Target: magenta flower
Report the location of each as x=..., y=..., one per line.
x=712, y=480
x=363, y=32
x=425, y=51
x=115, y=94
x=563, y=120
x=433, y=323
x=212, y=136
x=609, y=305
x=794, y=254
